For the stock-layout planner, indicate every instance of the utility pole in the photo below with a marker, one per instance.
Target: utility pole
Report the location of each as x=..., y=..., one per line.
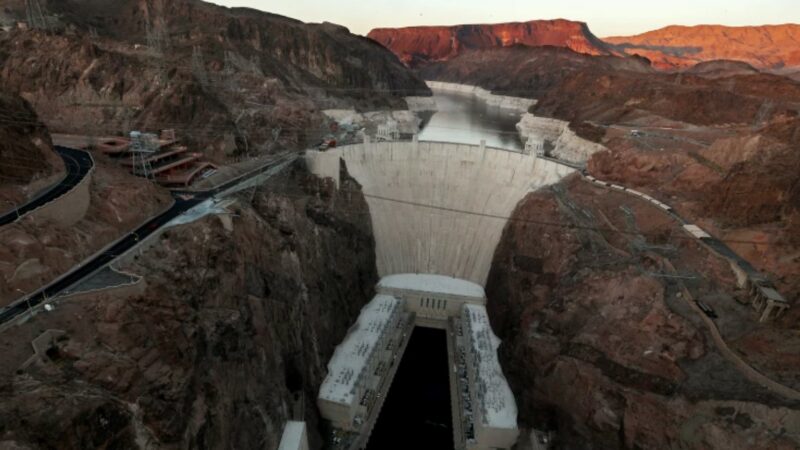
x=37, y=15
x=27, y=300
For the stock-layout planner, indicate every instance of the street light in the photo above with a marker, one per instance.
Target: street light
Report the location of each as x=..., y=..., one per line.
x=16, y=210
x=27, y=300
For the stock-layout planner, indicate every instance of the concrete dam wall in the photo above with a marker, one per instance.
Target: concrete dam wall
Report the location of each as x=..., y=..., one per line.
x=438, y=208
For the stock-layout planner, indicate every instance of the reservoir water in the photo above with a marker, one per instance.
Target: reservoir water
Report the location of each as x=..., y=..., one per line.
x=467, y=119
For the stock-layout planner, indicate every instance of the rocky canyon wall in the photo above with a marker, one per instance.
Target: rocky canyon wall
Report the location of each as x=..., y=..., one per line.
x=602, y=346
x=677, y=47
x=418, y=46
x=229, y=340
x=29, y=162
x=228, y=80
x=559, y=140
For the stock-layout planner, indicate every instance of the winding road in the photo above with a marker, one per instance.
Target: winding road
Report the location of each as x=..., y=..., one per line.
x=184, y=200
x=77, y=163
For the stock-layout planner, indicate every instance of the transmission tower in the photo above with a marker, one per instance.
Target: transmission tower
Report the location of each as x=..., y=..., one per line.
x=143, y=146
x=37, y=15
x=199, y=66
x=157, y=45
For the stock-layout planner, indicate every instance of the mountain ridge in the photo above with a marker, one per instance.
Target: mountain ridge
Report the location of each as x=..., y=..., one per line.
x=679, y=46
x=421, y=45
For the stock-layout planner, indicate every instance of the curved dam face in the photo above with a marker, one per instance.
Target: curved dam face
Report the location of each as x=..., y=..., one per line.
x=438, y=208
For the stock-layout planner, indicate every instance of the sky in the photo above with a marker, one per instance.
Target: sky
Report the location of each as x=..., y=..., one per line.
x=605, y=17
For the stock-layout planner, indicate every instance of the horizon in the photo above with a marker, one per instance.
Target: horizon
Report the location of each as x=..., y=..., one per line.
x=628, y=17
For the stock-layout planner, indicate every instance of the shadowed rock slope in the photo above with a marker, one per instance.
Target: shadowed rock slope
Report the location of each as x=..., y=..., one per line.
x=232, y=327
x=28, y=160
x=602, y=344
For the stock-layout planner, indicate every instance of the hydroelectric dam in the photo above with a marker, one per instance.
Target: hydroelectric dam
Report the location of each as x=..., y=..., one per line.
x=438, y=210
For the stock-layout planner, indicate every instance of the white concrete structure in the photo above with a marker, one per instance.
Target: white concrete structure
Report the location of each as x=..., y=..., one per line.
x=566, y=145
x=295, y=436
x=438, y=208
x=407, y=122
x=363, y=365
x=487, y=410
x=362, y=369
x=499, y=101
x=432, y=298
x=696, y=231
x=388, y=131
x=535, y=145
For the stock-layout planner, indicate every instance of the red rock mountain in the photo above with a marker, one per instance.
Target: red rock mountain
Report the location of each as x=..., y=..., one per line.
x=417, y=46
x=676, y=47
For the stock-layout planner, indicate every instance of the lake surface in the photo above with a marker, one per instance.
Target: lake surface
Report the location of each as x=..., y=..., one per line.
x=467, y=119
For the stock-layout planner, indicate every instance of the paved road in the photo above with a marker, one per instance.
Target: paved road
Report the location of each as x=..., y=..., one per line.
x=127, y=242
x=78, y=163
x=183, y=202
x=712, y=242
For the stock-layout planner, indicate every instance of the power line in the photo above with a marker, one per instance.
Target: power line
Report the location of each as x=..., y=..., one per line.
x=300, y=194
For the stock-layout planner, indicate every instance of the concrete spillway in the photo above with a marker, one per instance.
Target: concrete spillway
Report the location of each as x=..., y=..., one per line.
x=438, y=208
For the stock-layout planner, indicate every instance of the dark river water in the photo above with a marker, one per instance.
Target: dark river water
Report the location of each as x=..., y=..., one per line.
x=416, y=414
x=468, y=120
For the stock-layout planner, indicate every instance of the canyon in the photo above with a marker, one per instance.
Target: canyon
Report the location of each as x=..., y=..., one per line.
x=223, y=326
x=203, y=356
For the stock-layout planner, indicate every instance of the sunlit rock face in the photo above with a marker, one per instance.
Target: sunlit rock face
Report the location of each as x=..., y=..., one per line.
x=674, y=47
x=417, y=46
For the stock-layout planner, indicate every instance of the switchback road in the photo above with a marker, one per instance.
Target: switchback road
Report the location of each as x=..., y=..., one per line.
x=77, y=163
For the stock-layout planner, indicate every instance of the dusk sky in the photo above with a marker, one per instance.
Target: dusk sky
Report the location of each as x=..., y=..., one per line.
x=605, y=18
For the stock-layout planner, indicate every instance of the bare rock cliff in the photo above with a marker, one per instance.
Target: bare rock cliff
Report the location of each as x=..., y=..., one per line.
x=229, y=339
x=418, y=46
x=676, y=47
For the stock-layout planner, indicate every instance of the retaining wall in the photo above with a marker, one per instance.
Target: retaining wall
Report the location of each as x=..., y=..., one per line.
x=69, y=208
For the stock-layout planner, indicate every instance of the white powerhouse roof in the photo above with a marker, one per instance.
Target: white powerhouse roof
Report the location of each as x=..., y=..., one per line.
x=493, y=393
x=437, y=284
x=352, y=355
x=696, y=231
